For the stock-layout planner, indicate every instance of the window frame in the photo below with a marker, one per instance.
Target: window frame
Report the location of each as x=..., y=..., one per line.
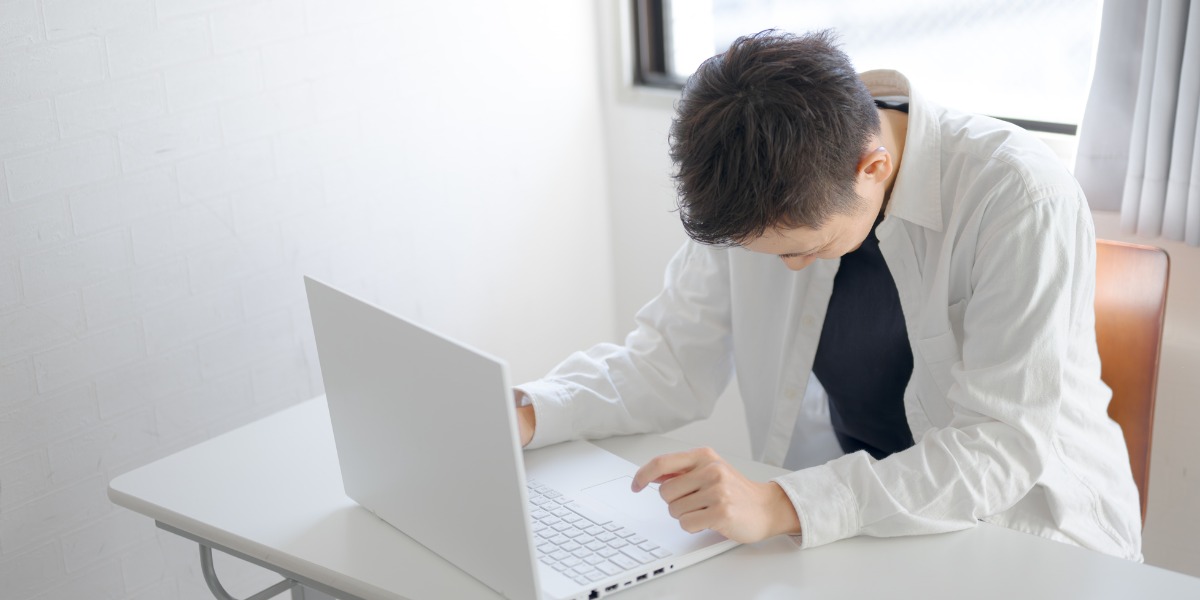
x=650, y=64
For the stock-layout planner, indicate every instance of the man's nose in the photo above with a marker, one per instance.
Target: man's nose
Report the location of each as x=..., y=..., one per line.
x=796, y=263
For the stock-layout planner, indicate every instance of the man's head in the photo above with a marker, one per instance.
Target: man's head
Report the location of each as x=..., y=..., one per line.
x=773, y=135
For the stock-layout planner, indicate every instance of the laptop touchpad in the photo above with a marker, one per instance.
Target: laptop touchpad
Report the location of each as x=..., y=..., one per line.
x=616, y=494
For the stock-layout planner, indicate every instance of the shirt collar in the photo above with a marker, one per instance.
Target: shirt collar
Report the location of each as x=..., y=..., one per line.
x=916, y=192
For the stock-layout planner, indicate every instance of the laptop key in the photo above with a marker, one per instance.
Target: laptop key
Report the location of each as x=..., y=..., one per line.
x=609, y=568
x=581, y=580
x=607, y=552
x=660, y=553
x=626, y=533
x=559, y=554
x=594, y=575
x=607, y=536
x=594, y=559
x=547, y=560
x=635, y=540
x=624, y=561
x=596, y=545
x=618, y=542
x=647, y=546
x=560, y=539
x=612, y=526
x=637, y=554
x=570, y=547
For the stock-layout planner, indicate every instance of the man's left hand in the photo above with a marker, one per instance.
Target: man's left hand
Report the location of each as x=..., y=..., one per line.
x=703, y=492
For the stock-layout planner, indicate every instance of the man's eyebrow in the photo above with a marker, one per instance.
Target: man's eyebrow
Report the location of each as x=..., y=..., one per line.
x=812, y=250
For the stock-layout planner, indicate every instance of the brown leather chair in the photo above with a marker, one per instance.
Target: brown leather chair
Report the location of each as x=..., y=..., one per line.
x=1131, y=297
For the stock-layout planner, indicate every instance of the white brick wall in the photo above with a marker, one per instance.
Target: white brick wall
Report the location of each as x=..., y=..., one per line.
x=36, y=71
x=170, y=168
x=74, y=18
x=116, y=102
x=62, y=167
x=27, y=126
x=19, y=23
x=168, y=138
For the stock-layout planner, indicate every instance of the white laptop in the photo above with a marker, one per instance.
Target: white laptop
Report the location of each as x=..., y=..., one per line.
x=426, y=435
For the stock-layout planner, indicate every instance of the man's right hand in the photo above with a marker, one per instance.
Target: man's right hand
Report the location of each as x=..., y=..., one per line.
x=527, y=421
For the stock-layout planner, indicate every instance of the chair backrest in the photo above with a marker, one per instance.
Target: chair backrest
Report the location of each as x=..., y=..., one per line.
x=1131, y=297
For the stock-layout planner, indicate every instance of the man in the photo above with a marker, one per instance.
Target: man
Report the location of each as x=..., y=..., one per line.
x=933, y=270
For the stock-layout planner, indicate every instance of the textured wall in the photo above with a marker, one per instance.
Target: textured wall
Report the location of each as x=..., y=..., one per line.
x=169, y=170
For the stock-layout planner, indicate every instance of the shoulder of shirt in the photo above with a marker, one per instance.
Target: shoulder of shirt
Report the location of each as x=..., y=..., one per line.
x=1006, y=153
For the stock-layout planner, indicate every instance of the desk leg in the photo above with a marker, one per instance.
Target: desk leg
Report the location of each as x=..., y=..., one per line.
x=214, y=585
x=303, y=593
x=302, y=587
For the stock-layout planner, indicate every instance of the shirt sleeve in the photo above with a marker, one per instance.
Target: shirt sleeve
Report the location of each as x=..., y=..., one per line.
x=670, y=370
x=1032, y=276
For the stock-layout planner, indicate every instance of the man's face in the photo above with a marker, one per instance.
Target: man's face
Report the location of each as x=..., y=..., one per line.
x=799, y=247
x=841, y=234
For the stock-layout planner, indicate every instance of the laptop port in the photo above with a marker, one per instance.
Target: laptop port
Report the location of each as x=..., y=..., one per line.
x=611, y=587
x=642, y=577
x=595, y=594
x=659, y=571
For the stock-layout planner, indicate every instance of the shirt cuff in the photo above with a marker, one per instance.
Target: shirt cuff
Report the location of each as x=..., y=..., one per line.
x=553, y=419
x=825, y=506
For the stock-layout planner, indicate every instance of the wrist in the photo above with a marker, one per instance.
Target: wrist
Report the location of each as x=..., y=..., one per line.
x=527, y=422
x=787, y=522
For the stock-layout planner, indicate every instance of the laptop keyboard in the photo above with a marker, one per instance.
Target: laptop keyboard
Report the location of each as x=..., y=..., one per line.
x=581, y=544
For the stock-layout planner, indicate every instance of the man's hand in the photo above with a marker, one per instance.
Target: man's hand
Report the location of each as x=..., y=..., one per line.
x=704, y=492
x=527, y=421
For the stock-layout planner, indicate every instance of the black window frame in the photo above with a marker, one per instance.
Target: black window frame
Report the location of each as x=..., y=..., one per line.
x=650, y=63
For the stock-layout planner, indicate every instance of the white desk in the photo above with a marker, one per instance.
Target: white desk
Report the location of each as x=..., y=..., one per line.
x=271, y=492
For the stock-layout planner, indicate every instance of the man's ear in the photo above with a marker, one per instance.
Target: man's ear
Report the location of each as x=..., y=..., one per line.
x=876, y=165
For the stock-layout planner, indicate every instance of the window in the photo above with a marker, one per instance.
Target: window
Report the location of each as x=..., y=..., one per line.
x=1025, y=61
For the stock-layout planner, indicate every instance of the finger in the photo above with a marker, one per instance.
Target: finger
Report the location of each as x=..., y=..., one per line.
x=688, y=503
x=673, y=464
x=681, y=485
x=697, y=521
x=667, y=477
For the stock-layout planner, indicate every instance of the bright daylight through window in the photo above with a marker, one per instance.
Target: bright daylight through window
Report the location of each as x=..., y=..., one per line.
x=1025, y=60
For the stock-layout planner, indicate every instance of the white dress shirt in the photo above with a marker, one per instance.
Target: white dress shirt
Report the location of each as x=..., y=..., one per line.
x=991, y=245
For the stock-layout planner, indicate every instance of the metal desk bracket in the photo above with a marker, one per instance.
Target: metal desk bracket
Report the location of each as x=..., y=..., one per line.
x=210, y=577
x=302, y=587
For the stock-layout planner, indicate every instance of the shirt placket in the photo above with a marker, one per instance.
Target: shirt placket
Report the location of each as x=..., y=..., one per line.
x=794, y=381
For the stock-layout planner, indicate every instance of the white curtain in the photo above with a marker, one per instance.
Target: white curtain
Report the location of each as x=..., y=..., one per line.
x=1139, y=145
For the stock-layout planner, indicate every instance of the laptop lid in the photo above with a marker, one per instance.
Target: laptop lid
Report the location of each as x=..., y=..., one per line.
x=426, y=437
